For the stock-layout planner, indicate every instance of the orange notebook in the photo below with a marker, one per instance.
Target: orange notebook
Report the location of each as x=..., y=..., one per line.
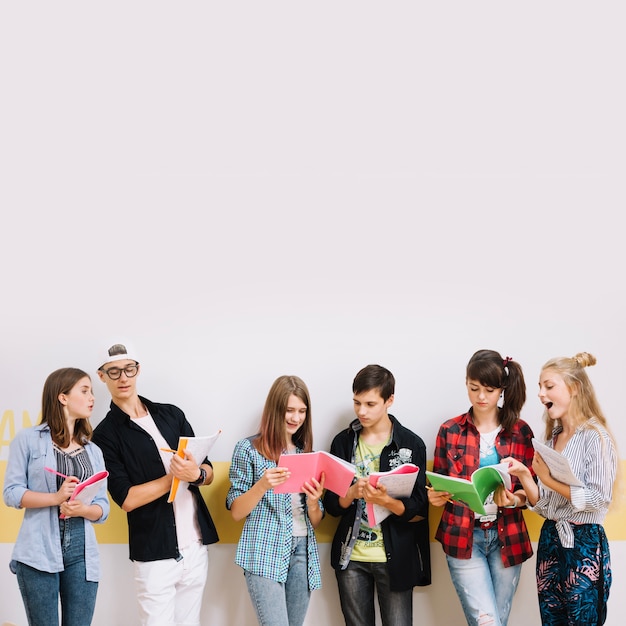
x=199, y=447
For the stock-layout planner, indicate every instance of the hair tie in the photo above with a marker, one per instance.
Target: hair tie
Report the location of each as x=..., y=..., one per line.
x=506, y=361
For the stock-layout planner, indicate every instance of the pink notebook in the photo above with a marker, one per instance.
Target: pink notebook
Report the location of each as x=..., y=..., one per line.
x=399, y=483
x=87, y=490
x=339, y=473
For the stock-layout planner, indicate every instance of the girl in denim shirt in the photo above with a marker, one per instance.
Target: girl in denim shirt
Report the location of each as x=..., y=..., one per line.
x=56, y=554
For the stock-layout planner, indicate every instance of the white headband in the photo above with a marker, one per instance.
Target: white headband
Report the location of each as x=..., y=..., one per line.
x=127, y=354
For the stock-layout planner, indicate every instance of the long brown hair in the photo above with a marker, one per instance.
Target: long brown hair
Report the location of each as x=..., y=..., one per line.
x=272, y=439
x=62, y=381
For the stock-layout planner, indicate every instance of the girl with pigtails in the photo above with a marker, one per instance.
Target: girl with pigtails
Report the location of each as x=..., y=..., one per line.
x=485, y=553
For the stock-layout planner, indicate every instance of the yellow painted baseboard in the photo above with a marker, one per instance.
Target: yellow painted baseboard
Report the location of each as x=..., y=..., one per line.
x=115, y=529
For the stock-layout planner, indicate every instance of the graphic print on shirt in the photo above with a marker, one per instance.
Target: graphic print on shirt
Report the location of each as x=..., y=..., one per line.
x=370, y=539
x=400, y=457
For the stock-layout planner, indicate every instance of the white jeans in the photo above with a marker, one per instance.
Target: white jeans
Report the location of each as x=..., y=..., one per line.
x=170, y=591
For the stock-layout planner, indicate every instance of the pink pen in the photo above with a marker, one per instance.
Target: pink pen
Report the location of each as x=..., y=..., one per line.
x=49, y=469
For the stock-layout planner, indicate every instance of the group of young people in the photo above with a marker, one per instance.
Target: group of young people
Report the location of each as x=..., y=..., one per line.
x=278, y=550
x=55, y=556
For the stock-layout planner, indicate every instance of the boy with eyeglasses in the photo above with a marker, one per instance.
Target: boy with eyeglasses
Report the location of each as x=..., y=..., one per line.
x=167, y=541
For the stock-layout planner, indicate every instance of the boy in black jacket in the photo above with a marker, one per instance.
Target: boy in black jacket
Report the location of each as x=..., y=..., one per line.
x=395, y=556
x=167, y=541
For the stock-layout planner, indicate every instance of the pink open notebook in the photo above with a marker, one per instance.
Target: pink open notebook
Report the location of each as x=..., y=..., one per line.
x=87, y=490
x=338, y=473
x=399, y=483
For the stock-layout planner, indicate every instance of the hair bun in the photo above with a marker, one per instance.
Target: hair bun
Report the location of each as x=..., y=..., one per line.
x=584, y=359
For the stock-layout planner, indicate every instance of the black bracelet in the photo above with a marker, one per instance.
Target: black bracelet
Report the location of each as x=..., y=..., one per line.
x=200, y=480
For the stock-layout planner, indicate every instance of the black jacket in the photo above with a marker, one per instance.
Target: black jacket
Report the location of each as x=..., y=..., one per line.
x=132, y=458
x=407, y=543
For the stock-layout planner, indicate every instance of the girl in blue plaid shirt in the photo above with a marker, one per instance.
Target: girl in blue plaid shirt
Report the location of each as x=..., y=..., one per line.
x=277, y=549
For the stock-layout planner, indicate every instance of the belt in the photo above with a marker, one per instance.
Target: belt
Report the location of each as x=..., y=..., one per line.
x=485, y=525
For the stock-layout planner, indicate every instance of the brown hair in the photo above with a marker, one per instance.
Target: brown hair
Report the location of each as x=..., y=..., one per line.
x=374, y=377
x=62, y=381
x=272, y=438
x=491, y=370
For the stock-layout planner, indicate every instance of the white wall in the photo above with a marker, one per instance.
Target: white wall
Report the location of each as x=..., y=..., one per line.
x=263, y=188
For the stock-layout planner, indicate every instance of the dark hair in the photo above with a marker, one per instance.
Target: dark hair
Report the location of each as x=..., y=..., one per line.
x=272, y=439
x=62, y=381
x=491, y=370
x=118, y=349
x=375, y=377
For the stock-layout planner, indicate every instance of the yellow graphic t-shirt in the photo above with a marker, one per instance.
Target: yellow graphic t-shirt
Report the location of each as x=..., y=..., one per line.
x=369, y=546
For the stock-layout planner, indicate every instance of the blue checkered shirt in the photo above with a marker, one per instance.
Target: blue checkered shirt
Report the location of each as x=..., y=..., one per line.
x=264, y=547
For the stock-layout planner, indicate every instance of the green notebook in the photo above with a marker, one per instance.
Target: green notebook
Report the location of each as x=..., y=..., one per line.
x=473, y=492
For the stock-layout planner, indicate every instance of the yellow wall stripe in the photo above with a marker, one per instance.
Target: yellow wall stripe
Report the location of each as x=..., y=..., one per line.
x=115, y=529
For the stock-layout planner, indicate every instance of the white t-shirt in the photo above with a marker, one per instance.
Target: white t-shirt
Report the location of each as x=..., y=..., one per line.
x=185, y=509
x=297, y=510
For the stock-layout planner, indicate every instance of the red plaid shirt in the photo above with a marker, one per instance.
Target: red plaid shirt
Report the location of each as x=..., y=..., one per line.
x=457, y=453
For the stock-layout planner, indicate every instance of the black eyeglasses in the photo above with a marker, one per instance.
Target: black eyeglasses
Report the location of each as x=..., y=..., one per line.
x=115, y=372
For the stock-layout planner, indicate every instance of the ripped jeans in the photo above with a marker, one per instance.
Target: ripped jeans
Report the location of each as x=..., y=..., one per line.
x=484, y=586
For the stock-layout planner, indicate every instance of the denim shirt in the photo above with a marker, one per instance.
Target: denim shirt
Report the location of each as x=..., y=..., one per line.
x=38, y=542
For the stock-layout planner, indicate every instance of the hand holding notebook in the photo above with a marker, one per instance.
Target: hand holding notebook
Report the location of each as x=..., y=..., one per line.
x=87, y=489
x=199, y=447
x=399, y=483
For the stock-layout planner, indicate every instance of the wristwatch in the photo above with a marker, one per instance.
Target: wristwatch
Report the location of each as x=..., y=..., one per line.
x=200, y=480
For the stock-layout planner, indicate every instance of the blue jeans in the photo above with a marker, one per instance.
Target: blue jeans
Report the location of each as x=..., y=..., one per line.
x=356, y=593
x=484, y=586
x=41, y=590
x=282, y=604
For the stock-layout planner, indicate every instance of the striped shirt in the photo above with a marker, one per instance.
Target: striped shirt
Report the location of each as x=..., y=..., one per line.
x=593, y=459
x=264, y=547
x=75, y=463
